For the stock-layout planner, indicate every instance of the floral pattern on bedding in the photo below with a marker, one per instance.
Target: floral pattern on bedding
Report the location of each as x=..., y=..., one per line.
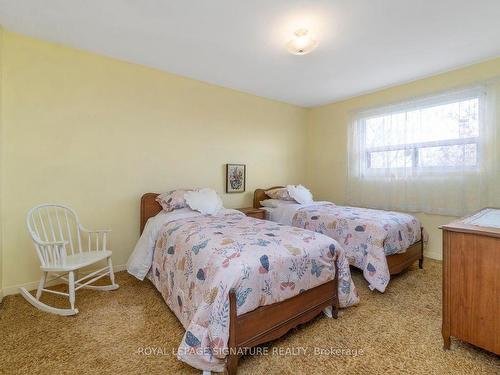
x=173, y=200
x=198, y=260
x=279, y=193
x=366, y=235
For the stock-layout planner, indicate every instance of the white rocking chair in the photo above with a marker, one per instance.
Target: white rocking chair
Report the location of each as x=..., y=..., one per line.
x=54, y=228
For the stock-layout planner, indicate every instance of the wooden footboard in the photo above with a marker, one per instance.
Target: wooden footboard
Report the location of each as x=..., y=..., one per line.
x=399, y=262
x=270, y=322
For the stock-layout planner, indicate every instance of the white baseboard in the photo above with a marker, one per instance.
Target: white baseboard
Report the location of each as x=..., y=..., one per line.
x=119, y=268
x=34, y=284
x=433, y=255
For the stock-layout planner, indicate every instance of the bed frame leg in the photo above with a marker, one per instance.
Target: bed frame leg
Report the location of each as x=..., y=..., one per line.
x=232, y=357
x=231, y=364
x=421, y=260
x=335, y=311
x=336, y=303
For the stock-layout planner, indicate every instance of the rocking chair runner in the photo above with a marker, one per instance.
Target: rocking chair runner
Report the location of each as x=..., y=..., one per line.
x=54, y=228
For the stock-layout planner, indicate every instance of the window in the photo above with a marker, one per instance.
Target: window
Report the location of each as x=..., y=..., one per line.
x=439, y=133
x=436, y=154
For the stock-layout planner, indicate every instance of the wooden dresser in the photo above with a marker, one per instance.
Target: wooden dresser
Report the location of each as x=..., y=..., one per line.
x=471, y=280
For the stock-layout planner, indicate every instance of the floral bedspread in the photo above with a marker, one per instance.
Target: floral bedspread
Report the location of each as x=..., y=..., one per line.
x=366, y=235
x=198, y=260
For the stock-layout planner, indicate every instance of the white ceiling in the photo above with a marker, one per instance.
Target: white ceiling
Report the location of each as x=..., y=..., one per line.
x=364, y=45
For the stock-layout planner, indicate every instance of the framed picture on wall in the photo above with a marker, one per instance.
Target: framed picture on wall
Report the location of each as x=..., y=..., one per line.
x=235, y=178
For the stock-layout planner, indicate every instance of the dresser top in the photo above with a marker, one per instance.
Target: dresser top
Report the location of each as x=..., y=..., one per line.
x=485, y=222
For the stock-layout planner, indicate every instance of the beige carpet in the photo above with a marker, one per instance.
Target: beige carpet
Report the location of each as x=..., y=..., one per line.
x=396, y=332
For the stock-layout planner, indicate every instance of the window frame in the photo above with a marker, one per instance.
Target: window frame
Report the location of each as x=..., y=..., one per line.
x=420, y=104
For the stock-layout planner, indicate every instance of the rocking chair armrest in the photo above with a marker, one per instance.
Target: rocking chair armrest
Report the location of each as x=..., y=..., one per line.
x=50, y=243
x=83, y=229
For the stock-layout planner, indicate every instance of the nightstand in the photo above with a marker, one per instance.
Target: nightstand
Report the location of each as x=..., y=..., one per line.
x=253, y=212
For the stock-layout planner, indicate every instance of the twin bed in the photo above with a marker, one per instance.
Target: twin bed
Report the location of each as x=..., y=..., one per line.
x=381, y=243
x=235, y=282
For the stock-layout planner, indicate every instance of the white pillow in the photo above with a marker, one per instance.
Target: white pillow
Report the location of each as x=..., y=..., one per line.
x=300, y=194
x=206, y=201
x=275, y=203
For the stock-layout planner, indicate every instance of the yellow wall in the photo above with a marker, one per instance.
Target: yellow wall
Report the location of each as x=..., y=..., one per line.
x=327, y=136
x=96, y=133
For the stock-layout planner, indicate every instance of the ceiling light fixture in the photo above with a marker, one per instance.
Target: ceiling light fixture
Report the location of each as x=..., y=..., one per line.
x=302, y=44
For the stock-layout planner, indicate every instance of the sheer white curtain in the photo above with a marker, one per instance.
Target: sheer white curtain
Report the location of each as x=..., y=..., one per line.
x=435, y=154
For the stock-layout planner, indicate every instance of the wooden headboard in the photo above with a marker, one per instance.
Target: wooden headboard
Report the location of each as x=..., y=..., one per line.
x=149, y=208
x=259, y=195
